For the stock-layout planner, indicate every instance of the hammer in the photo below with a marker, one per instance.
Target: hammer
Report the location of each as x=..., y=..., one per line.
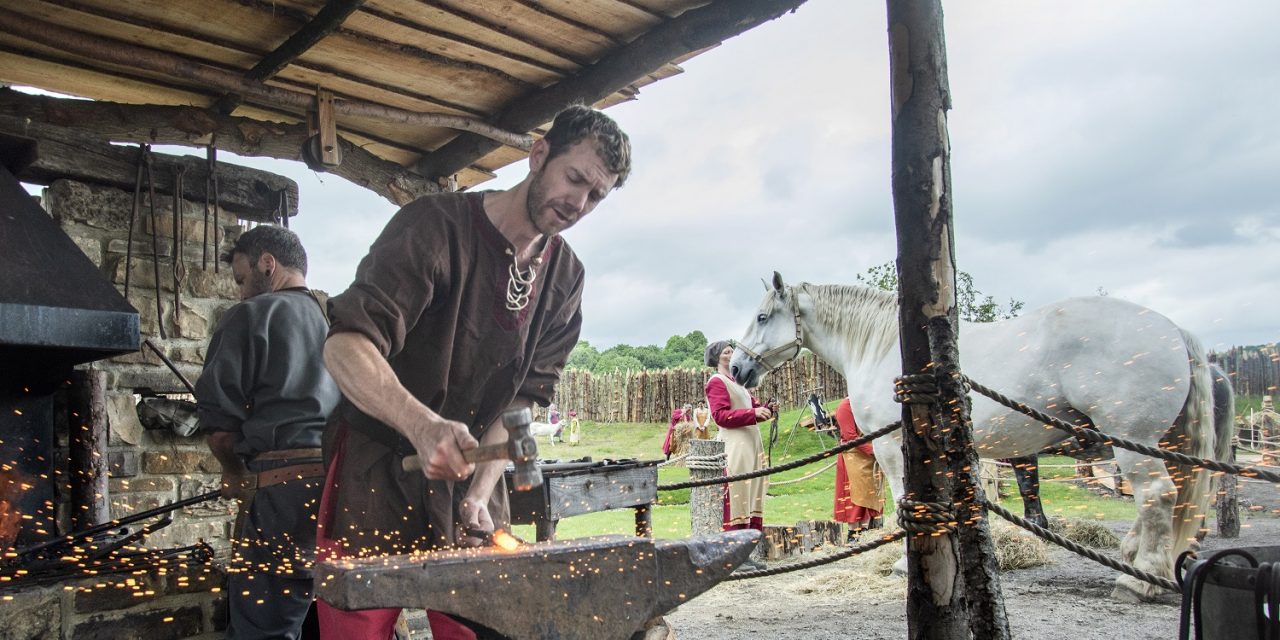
x=520, y=448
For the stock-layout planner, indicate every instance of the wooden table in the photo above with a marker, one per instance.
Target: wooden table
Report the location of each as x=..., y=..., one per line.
x=575, y=488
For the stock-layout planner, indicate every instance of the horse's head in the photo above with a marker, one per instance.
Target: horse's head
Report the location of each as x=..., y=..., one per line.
x=773, y=337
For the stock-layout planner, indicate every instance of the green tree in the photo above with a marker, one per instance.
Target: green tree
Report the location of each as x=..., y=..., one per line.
x=583, y=356
x=612, y=360
x=975, y=306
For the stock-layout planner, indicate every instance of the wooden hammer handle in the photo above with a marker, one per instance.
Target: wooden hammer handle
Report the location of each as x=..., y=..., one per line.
x=477, y=454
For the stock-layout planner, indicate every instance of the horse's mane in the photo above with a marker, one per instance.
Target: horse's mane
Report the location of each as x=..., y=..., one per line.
x=866, y=318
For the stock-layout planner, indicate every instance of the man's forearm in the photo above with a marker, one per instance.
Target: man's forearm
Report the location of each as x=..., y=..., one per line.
x=488, y=473
x=367, y=381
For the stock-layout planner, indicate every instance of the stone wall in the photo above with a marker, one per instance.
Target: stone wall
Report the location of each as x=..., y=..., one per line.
x=147, y=468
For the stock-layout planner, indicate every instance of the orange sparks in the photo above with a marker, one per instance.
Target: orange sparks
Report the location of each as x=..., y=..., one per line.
x=505, y=541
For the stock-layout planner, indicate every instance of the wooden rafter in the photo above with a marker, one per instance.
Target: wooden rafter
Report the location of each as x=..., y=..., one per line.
x=122, y=53
x=692, y=31
x=325, y=22
x=190, y=126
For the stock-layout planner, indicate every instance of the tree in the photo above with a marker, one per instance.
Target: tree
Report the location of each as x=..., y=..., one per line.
x=975, y=306
x=611, y=361
x=583, y=356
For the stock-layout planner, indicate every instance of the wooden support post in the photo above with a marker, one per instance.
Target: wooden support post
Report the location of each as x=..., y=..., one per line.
x=1228, y=503
x=945, y=572
x=706, y=504
x=87, y=444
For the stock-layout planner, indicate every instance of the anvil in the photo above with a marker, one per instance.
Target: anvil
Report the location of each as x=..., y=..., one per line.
x=589, y=588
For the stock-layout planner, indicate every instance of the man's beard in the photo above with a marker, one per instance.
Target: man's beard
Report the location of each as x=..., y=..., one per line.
x=536, y=202
x=259, y=283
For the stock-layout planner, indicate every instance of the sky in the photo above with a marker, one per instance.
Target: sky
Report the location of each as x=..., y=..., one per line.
x=1123, y=147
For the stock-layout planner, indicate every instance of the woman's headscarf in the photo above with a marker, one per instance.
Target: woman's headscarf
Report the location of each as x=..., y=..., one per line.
x=713, y=352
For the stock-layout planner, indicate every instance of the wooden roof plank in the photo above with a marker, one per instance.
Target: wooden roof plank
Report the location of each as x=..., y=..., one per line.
x=694, y=30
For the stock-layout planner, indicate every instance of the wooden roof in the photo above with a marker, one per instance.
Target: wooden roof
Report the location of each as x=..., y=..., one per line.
x=398, y=69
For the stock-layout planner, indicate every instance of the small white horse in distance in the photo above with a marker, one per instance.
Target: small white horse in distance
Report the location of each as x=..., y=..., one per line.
x=1127, y=369
x=545, y=429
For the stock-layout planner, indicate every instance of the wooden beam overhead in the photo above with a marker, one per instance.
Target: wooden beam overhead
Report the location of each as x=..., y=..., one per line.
x=325, y=22
x=190, y=126
x=692, y=31
x=123, y=53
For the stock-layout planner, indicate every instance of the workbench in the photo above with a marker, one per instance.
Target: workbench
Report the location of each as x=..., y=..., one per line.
x=585, y=486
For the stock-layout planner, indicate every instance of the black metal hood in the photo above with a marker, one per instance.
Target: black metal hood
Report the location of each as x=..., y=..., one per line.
x=56, y=307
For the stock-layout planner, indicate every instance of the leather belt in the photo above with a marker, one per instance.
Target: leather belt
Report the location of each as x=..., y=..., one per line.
x=281, y=475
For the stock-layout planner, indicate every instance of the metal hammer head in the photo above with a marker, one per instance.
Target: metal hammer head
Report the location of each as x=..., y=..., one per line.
x=523, y=449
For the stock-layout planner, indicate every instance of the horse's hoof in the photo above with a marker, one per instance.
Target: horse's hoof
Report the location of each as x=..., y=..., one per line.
x=1134, y=591
x=900, y=568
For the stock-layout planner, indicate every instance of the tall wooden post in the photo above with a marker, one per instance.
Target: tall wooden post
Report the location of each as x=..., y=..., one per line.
x=949, y=571
x=87, y=446
x=706, y=504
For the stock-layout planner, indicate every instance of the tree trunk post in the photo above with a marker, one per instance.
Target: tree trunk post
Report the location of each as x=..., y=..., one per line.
x=944, y=571
x=87, y=441
x=1228, y=505
x=706, y=504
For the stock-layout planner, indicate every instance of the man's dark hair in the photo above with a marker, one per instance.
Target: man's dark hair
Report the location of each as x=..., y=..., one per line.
x=277, y=241
x=577, y=123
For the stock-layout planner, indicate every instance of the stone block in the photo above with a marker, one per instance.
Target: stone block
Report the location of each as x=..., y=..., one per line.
x=191, y=487
x=141, y=247
x=193, y=232
x=192, y=322
x=180, y=462
x=181, y=534
x=92, y=248
x=115, y=593
x=139, y=485
x=130, y=503
x=142, y=275
x=32, y=615
x=203, y=283
x=158, y=379
x=158, y=624
x=122, y=464
x=98, y=207
x=122, y=420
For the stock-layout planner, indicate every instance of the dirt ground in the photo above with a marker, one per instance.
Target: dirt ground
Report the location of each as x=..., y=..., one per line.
x=1066, y=599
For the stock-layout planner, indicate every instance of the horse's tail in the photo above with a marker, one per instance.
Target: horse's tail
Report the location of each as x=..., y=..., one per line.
x=1193, y=433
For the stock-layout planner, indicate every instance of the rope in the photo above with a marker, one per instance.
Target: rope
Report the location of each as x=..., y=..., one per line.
x=817, y=562
x=1100, y=463
x=673, y=460
x=1080, y=550
x=803, y=478
x=1091, y=435
x=821, y=455
x=713, y=462
x=933, y=518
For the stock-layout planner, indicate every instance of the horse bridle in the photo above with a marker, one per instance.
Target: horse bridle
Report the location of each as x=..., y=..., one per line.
x=796, y=343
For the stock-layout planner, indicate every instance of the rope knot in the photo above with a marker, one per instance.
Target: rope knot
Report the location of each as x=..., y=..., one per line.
x=933, y=518
x=916, y=388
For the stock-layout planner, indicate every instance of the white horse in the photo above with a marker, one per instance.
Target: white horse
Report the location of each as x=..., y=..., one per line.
x=1127, y=369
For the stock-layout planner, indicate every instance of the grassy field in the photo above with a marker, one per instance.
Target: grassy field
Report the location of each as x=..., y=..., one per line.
x=811, y=499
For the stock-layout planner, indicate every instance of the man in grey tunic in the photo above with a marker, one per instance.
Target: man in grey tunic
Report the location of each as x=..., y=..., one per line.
x=264, y=397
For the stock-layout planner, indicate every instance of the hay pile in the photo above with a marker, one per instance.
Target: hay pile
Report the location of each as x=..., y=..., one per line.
x=1089, y=533
x=1018, y=549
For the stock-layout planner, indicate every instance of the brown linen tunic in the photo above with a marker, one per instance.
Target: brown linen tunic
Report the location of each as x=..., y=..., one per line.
x=431, y=296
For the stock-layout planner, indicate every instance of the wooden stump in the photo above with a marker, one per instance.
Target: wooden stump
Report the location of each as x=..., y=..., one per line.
x=706, y=504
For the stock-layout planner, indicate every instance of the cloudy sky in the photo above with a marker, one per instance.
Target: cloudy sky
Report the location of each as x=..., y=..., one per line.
x=1127, y=146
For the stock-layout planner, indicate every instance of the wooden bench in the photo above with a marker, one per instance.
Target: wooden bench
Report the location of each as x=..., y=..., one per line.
x=574, y=488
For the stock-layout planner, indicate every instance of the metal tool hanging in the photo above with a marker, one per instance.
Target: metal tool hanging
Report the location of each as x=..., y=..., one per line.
x=155, y=240
x=211, y=187
x=179, y=267
x=133, y=216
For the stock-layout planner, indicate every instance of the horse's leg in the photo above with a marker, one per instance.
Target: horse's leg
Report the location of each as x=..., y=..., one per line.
x=888, y=451
x=1027, y=471
x=1148, y=544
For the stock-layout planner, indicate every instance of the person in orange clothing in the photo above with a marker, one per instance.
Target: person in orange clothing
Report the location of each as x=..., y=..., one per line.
x=859, y=480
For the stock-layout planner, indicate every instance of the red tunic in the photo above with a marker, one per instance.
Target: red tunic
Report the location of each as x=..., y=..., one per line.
x=845, y=510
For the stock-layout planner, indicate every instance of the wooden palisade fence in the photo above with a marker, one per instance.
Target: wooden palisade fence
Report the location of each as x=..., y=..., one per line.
x=650, y=396
x=1254, y=371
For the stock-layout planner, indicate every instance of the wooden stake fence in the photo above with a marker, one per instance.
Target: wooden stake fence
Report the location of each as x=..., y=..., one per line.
x=651, y=395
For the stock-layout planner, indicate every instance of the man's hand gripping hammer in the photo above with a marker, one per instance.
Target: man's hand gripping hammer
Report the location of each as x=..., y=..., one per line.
x=521, y=449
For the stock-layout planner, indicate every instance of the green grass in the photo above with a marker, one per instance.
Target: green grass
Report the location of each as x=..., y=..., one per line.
x=786, y=504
